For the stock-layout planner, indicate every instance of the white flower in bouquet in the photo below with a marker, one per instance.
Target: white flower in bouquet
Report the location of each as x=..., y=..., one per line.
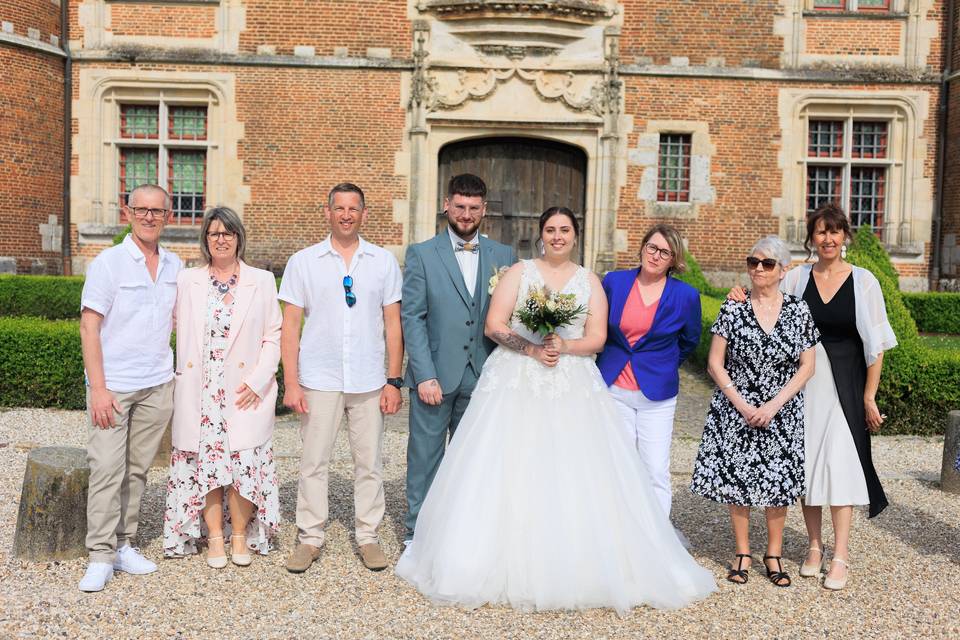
x=495, y=279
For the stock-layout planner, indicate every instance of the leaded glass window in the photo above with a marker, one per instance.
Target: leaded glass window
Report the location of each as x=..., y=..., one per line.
x=847, y=164
x=673, y=175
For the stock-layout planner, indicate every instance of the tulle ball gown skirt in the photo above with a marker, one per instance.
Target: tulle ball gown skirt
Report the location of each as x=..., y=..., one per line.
x=541, y=503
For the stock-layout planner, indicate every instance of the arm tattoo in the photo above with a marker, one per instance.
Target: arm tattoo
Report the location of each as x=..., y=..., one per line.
x=511, y=340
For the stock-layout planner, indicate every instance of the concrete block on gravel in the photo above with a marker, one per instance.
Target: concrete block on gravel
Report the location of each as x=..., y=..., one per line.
x=52, y=521
x=949, y=476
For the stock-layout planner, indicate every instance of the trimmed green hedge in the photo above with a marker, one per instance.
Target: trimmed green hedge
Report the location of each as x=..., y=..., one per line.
x=40, y=363
x=935, y=312
x=695, y=278
x=49, y=297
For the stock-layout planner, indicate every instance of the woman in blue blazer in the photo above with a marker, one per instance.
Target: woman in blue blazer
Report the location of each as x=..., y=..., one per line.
x=654, y=324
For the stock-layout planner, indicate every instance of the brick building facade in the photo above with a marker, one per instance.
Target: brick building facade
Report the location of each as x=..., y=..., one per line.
x=727, y=119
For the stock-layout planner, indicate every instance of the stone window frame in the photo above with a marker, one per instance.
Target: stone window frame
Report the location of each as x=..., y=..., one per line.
x=682, y=143
x=853, y=6
x=646, y=154
x=96, y=185
x=909, y=194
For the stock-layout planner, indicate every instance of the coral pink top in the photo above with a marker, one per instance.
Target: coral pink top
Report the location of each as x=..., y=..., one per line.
x=635, y=322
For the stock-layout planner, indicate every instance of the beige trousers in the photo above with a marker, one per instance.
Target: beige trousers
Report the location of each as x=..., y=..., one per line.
x=318, y=431
x=119, y=459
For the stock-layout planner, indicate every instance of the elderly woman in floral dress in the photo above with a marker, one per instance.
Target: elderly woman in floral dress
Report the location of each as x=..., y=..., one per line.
x=228, y=349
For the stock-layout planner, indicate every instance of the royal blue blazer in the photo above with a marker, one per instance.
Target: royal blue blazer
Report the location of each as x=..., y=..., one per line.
x=656, y=357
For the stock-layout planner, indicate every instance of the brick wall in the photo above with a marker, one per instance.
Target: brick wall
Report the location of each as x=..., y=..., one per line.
x=43, y=15
x=745, y=129
x=174, y=21
x=741, y=33
x=31, y=178
x=951, y=184
x=342, y=23
x=831, y=36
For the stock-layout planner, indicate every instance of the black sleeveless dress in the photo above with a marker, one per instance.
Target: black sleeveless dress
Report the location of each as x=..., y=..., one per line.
x=837, y=323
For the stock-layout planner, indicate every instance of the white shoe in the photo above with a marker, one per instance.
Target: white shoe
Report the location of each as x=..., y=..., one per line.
x=98, y=574
x=129, y=560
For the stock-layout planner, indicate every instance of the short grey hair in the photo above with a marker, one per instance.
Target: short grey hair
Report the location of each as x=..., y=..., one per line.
x=346, y=187
x=146, y=188
x=773, y=247
x=231, y=222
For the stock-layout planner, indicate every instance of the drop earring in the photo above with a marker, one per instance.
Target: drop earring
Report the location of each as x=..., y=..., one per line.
x=543, y=248
x=843, y=252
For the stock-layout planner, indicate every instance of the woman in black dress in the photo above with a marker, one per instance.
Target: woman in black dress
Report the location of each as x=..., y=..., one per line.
x=841, y=413
x=751, y=452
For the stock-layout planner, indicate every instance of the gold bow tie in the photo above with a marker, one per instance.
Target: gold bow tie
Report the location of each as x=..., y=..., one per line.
x=472, y=247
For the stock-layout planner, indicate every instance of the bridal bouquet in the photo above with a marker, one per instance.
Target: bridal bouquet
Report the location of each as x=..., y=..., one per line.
x=545, y=311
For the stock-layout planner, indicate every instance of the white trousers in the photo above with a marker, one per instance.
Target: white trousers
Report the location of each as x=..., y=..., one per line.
x=649, y=424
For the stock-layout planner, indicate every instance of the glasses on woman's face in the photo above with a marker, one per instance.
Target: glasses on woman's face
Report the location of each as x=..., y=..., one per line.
x=348, y=294
x=769, y=264
x=221, y=235
x=652, y=250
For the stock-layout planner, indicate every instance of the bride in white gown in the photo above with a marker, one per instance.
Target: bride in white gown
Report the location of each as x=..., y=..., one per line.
x=540, y=501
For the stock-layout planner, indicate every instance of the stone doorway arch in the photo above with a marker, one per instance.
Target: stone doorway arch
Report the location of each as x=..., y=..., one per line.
x=524, y=177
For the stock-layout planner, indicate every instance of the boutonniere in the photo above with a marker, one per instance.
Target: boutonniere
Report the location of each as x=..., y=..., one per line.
x=495, y=279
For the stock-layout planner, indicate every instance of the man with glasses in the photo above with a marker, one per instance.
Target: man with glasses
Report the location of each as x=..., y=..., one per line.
x=126, y=319
x=349, y=291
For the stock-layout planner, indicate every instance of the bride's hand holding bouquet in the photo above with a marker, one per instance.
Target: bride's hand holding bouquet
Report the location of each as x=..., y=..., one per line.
x=544, y=311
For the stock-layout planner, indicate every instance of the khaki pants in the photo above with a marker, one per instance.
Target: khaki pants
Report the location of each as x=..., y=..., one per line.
x=119, y=458
x=318, y=430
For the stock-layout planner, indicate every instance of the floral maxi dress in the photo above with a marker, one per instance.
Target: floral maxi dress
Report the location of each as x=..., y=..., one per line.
x=194, y=474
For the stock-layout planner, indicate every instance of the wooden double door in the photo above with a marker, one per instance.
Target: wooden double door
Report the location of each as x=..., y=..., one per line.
x=524, y=177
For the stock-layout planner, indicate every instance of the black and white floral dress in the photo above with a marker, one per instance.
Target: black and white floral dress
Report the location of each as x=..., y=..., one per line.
x=743, y=465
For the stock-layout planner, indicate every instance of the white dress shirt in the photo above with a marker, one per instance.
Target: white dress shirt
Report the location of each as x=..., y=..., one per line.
x=137, y=315
x=342, y=348
x=469, y=261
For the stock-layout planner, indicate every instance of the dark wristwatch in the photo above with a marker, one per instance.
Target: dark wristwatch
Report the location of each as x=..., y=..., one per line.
x=395, y=382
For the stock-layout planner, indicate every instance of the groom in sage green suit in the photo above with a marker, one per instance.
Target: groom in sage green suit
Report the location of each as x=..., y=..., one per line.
x=444, y=307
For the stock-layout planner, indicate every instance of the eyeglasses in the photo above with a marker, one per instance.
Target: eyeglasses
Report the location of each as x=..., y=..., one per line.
x=769, y=264
x=349, y=295
x=652, y=250
x=229, y=236
x=143, y=212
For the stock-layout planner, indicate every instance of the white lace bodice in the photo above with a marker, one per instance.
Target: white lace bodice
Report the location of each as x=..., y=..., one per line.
x=572, y=376
x=578, y=284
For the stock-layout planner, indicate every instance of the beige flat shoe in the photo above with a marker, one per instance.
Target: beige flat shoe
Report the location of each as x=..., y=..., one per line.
x=240, y=559
x=812, y=570
x=834, y=584
x=216, y=562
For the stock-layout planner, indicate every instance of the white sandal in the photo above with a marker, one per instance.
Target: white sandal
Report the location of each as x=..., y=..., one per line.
x=834, y=584
x=811, y=570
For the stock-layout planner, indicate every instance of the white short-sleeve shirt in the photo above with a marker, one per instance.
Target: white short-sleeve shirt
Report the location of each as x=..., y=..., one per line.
x=342, y=348
x=137, y=315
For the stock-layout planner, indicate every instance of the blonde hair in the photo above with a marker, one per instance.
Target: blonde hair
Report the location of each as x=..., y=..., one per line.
x=675, y=242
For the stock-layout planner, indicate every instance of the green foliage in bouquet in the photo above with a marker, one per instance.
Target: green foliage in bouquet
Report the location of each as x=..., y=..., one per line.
x=545, y=311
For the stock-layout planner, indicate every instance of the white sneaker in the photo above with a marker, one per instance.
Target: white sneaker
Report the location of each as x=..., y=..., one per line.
x=129, y=560
x=98, y=574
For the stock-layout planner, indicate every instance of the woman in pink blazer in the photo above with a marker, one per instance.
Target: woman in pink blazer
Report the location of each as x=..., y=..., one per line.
x=228, y=346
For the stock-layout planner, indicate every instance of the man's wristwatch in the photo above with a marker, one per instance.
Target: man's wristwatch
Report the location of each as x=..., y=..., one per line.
x=395, y=382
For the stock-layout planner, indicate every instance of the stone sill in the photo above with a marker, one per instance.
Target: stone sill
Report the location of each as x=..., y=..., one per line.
x=908, y=252
x=858, y=15
x=203, y=56
x=98, y=233
x=163, y=1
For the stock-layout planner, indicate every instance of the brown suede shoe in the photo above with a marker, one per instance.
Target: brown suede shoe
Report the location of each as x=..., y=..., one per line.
x=302, y=557
x=373, y=557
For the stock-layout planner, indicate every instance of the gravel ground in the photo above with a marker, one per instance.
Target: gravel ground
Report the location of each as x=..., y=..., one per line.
x=904, y=576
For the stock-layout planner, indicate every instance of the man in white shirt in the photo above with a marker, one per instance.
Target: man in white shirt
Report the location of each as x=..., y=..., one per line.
x=125, y=322
x=349, y=290
x=445, y=301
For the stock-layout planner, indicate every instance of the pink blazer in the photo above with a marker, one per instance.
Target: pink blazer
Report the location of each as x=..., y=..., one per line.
x=252, y=355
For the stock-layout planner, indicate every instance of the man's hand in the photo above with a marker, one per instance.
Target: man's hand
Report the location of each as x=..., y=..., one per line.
x=390, y=400
x=246, y=398
x=737, y=294
x=102, y=408
x=430, y=392
x=294, y=398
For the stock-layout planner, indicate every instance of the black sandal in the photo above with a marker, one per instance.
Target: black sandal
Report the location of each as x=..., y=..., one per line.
x=777, y=577
x=739, y=572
